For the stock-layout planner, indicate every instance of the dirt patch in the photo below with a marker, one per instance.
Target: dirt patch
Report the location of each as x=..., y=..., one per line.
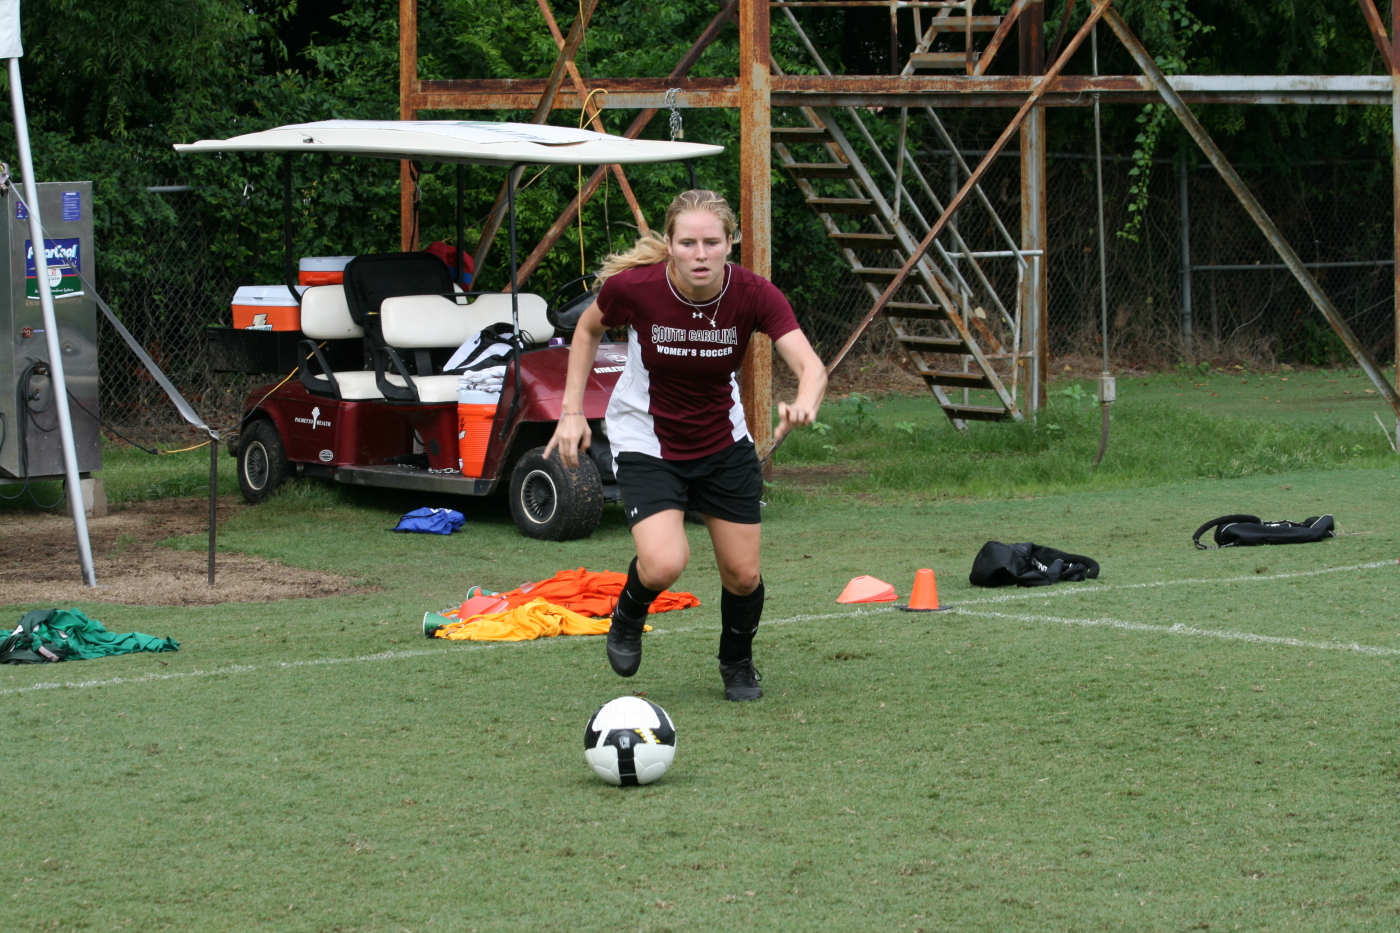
x=39, y=561
x=816, y=476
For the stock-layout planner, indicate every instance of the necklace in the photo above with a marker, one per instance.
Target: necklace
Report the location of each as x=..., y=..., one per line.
x=699, y=308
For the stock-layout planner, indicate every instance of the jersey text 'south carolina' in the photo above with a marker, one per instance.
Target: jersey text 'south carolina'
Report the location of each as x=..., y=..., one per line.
x=677, y=397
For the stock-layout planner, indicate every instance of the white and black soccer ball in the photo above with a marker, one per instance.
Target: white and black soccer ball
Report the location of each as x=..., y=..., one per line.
x=629, y=741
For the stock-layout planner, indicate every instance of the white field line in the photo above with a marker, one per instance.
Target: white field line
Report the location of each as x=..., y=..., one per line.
x=804, y=617
x=1183, y=629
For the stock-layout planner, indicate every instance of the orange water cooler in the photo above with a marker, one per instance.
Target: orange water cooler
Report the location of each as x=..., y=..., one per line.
x=476, y=410
x=266, y=307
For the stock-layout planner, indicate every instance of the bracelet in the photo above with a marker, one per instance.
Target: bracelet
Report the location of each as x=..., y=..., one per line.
x=565, y=414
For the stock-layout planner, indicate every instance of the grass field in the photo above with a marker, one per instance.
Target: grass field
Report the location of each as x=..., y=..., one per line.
x=1199, y=740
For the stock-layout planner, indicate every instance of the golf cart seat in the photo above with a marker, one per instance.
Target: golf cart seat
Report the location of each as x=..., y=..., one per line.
x=326, y=316
x=372, y=278
x=420, y=323
x=422, y=314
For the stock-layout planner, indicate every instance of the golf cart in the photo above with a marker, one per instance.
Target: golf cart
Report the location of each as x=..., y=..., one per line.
x=367, y=396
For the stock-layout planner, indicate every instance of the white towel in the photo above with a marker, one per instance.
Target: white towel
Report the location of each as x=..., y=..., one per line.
x=484, y=380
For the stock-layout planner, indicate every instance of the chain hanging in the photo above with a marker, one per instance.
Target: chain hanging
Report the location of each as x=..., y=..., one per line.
x=677, y=127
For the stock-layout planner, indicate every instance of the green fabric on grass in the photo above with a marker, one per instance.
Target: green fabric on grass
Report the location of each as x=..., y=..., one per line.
x=87, y=639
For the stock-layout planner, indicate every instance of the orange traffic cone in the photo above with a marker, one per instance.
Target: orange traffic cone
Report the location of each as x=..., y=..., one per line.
x=925, y=595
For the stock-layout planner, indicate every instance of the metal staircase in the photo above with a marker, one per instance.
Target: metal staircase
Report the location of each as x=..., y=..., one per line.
x=947, y=317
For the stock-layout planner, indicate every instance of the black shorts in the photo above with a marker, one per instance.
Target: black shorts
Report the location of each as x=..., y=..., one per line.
x=726, y=485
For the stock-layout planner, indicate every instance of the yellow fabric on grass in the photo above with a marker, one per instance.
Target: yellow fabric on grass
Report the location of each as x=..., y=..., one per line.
x=535, y=619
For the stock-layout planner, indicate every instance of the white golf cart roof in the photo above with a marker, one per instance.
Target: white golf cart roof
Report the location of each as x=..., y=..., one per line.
x=457, y=141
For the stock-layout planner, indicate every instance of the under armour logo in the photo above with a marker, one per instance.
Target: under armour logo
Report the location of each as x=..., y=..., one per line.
x=631, y=511
x=695, y=314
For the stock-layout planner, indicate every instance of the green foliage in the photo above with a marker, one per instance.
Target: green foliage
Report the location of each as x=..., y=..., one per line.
x=1169, y=29
x=856, y=410
x=1075, y=394
x=1320, y=345
x=123, y=68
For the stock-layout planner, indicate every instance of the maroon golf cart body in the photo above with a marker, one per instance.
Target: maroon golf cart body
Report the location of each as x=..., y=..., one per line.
x=365, y=442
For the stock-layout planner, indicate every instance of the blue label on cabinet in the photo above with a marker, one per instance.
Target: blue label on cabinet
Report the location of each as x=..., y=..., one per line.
x=72, y=206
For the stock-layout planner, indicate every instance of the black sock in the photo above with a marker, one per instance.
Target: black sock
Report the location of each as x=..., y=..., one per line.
x=635, y=599
x=739, y=617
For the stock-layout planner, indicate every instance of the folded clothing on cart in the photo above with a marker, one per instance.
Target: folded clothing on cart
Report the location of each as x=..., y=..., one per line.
x=483, y=380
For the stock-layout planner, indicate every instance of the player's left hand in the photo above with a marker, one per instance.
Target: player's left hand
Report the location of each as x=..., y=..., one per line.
x=793, y=416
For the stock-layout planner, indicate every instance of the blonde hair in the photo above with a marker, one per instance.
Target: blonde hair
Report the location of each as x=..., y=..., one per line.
x=651, y=249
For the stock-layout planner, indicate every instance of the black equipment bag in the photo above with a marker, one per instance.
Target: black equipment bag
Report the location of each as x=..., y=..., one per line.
x=1000, y=564
x=1248, y=530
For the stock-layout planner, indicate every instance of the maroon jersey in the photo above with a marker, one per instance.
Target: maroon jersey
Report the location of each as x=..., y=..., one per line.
x=677, y=397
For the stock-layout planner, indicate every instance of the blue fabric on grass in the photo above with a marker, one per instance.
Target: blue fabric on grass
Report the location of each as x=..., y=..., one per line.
x=431, y=521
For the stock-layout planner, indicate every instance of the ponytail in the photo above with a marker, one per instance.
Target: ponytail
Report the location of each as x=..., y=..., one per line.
x=647, y=251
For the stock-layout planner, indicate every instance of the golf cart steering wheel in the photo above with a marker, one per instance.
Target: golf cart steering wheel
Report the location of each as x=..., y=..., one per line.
x=563, y=312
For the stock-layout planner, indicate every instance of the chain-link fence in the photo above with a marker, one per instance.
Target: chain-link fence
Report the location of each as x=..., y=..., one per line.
x=1243, y=306
x=180, y=290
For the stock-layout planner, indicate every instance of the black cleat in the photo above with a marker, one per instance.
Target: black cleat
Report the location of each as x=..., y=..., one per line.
x=625, y=645
x=740, y=680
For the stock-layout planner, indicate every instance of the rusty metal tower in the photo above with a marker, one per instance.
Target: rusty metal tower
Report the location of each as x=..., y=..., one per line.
x=924, y=289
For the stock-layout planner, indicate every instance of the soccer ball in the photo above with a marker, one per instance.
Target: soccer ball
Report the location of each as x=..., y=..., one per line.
x=629, y=741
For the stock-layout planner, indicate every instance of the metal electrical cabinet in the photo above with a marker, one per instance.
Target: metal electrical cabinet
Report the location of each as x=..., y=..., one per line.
x=30, y=446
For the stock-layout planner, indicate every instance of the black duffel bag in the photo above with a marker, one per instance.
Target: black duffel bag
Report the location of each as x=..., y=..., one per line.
x=1000, y=564
x=1249, y=530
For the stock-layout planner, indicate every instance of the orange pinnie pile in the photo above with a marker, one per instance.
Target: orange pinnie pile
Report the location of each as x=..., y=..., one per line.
x=572, y=602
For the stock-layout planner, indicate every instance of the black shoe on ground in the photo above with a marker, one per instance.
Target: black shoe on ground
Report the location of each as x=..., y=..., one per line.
x=740, y=680
x=625, y=645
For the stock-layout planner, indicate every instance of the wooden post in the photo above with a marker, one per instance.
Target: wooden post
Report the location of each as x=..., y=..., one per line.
x=755, y=207
x=1034, y=290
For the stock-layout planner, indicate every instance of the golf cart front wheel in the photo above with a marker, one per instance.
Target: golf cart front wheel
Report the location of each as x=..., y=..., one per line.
x=551, y=501
x=262, y=461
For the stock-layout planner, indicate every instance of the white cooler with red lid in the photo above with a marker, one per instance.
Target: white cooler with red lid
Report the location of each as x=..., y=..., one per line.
x=322, y=270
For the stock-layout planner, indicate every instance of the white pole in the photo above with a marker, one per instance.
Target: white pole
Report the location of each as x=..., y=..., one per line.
x=60, y=385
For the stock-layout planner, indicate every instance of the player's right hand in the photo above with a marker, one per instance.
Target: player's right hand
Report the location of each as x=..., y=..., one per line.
x=571, y=435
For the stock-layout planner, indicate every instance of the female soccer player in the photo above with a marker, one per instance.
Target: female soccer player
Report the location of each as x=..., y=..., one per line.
x=675, y=424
